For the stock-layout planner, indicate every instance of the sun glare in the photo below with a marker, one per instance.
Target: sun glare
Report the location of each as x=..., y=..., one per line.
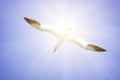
x=64, y=18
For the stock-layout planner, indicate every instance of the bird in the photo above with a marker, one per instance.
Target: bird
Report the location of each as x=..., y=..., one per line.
x=64, y=36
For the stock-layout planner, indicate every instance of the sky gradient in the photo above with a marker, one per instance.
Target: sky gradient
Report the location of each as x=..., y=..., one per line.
x=26, y=53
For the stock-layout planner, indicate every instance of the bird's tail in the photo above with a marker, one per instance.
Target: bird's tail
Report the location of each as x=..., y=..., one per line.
x=54, y=50
x=58, y=45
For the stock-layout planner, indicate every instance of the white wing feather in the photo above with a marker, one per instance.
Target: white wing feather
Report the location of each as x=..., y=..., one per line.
x=41, y=27
x=85, y=44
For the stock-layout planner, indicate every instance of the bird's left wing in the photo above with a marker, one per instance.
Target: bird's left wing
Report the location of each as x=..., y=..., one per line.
x=41, y=27
x=85, y=44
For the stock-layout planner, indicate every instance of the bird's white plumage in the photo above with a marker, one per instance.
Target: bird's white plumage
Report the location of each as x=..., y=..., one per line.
x=64, y=36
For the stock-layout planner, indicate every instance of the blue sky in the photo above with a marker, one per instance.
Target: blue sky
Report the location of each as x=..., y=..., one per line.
x=26, y=53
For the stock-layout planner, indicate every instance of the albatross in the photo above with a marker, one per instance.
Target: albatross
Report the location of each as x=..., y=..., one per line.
x=64, y=37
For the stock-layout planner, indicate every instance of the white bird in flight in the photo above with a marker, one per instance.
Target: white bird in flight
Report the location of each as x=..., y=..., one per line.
x=62, y=37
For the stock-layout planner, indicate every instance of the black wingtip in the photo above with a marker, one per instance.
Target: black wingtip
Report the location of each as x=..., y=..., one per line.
x=31, y=21
x=24, y=17
x=27, y=20
x=96, y=48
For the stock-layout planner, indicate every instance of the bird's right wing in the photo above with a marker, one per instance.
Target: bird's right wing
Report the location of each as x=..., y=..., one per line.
x=85, y=44
x=41, y=27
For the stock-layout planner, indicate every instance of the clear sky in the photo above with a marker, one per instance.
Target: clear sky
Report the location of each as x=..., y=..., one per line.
x=26, y=53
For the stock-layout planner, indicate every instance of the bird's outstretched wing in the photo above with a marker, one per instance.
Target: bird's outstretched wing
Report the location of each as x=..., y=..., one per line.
x=85, y=45
x=41, y=27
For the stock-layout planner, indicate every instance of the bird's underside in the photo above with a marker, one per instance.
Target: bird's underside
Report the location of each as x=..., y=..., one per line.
x=63, y=37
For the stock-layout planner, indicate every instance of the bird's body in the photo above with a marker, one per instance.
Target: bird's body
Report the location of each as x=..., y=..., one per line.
x=64, y=36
